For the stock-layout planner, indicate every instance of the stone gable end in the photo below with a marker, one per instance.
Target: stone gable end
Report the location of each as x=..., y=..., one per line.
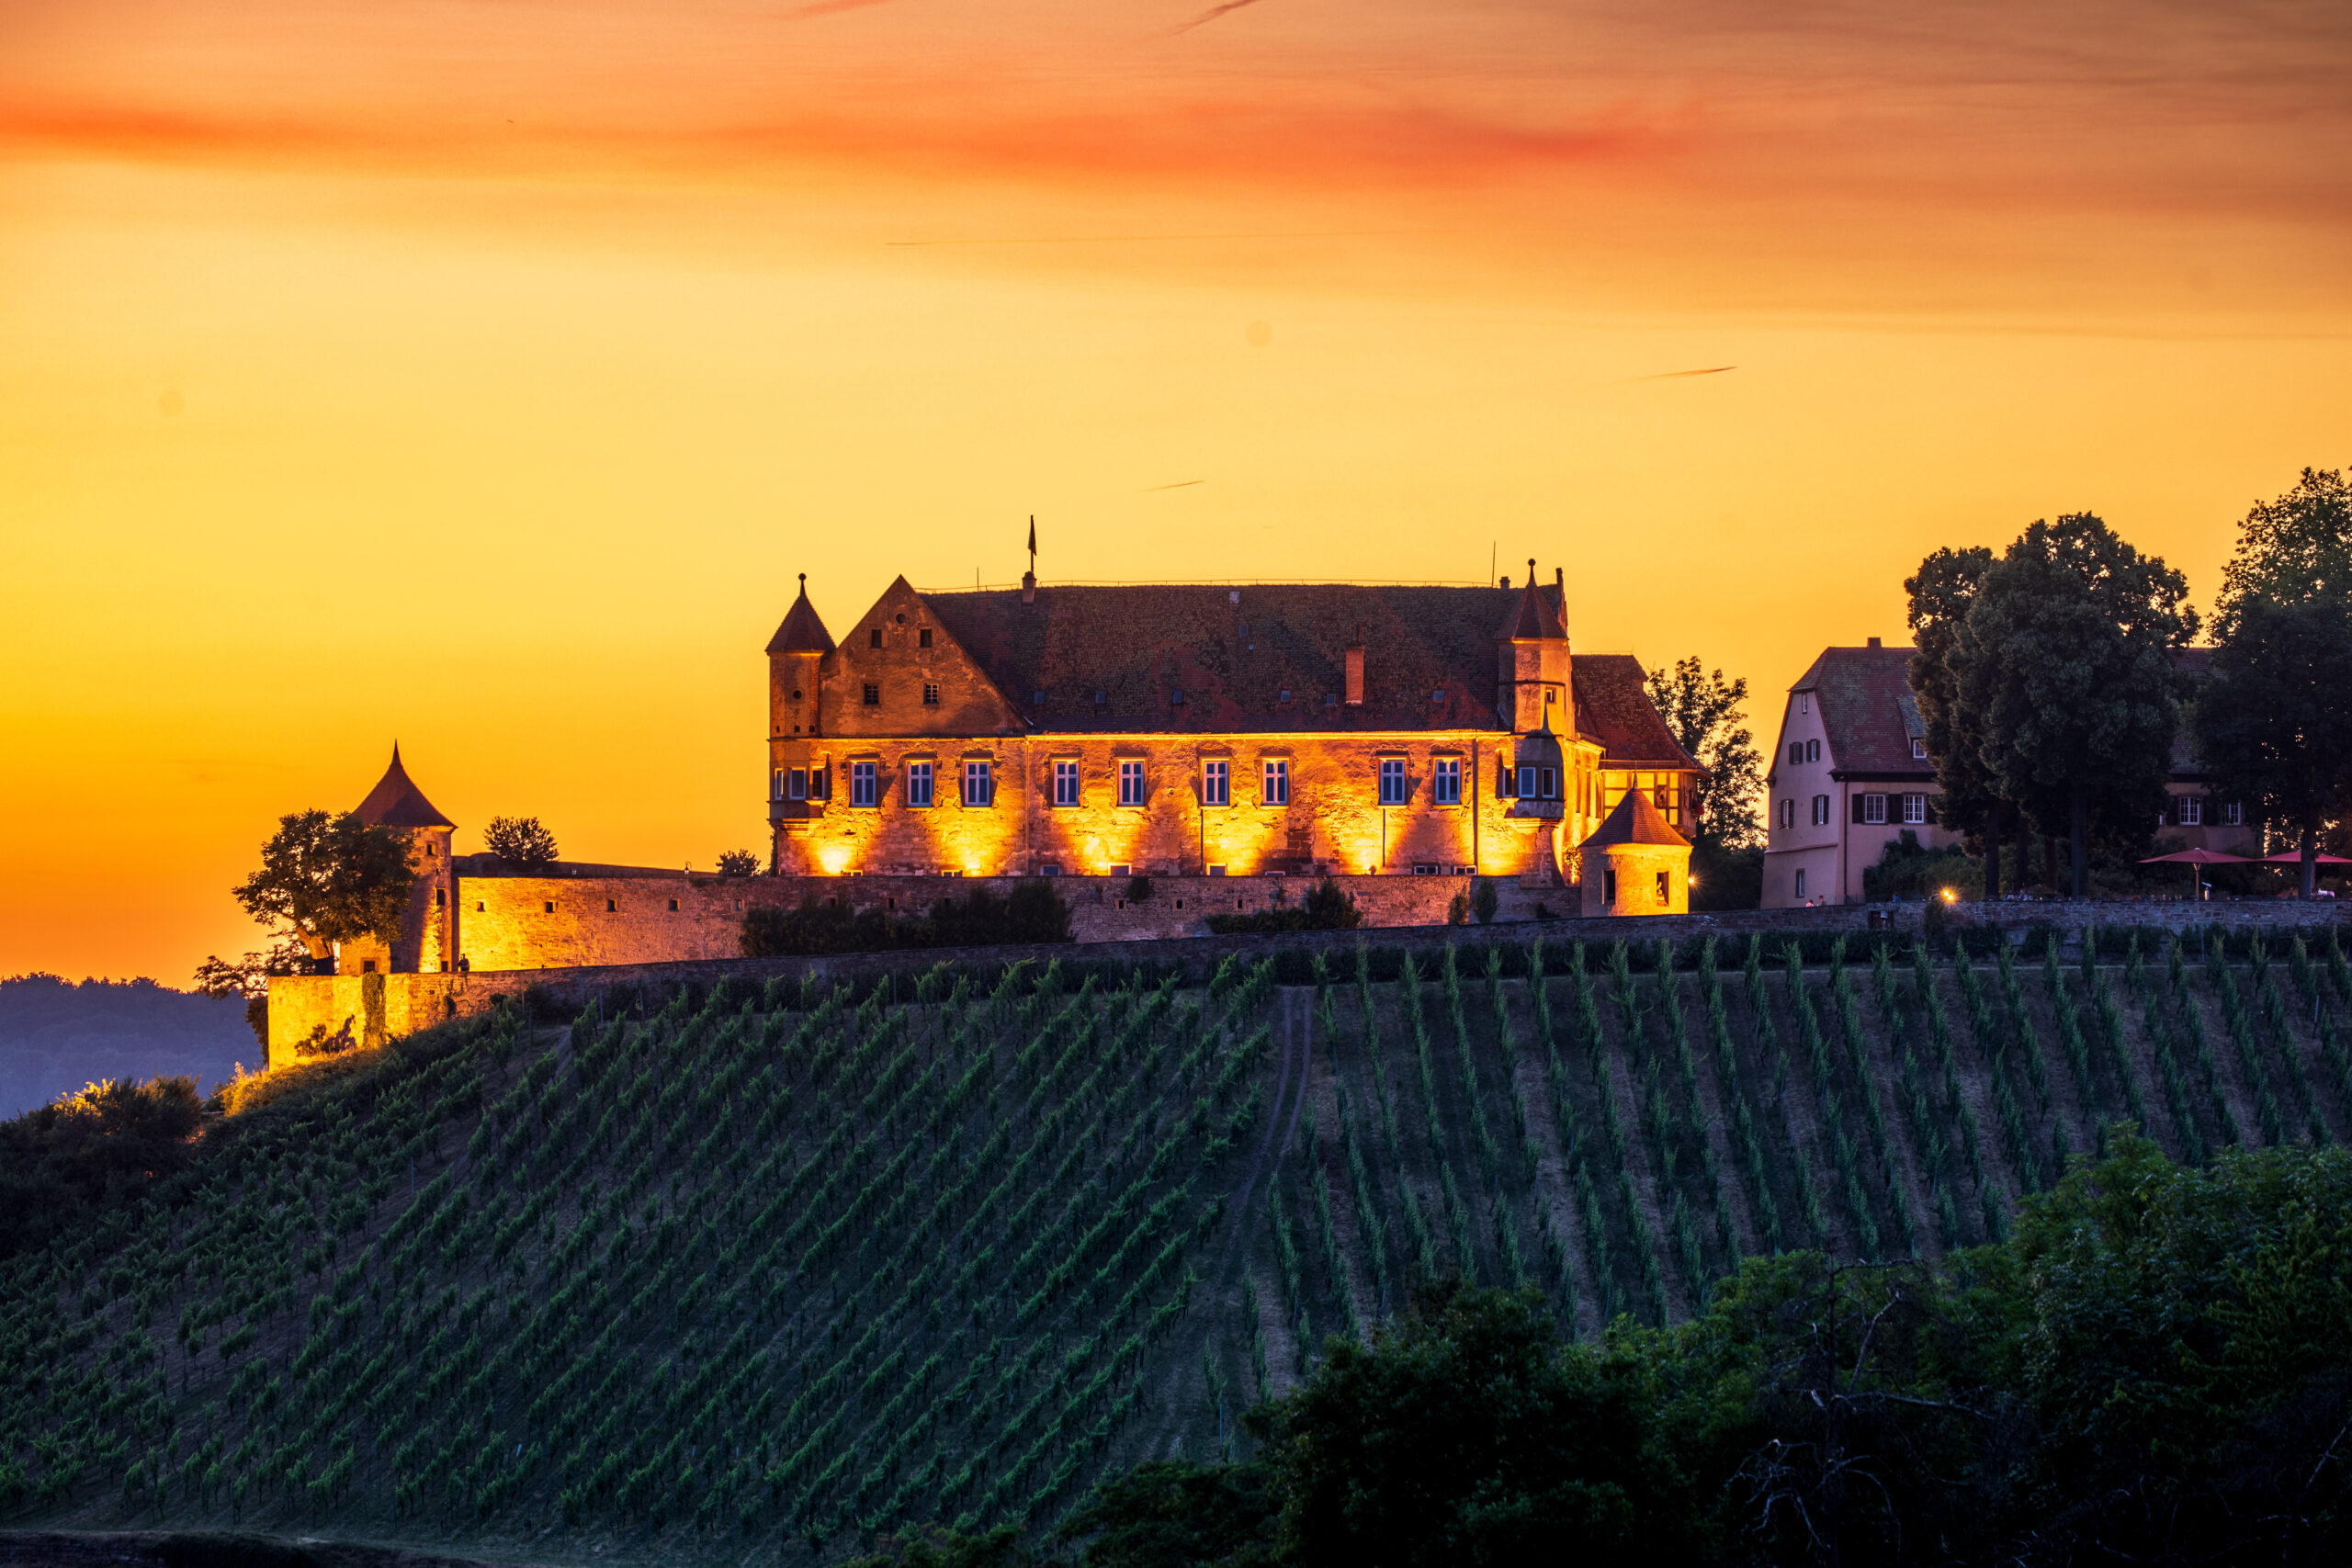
x=901, y=668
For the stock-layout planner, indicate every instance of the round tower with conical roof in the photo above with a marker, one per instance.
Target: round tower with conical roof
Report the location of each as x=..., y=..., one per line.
x=427, y=939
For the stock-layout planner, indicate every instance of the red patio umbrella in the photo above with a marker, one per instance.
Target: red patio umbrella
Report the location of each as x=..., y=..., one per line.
x=2192, y=859
x=2295, y=857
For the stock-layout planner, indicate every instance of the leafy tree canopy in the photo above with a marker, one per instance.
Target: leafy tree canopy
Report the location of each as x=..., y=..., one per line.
x=2294, y=550
x=739, y=862
x=2274, y=720
x=329, y=879
x=519, y=841
x=1702, y=709
x=2066, y=655
x=1941, y=593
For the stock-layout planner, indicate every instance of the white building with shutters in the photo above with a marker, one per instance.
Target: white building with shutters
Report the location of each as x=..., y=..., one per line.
x=1850, y=774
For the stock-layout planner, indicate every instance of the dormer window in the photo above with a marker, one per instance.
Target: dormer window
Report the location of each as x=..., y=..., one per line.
x=1176, y=697
x=1285, y=695
x=1919, y=748
x=1037, y=697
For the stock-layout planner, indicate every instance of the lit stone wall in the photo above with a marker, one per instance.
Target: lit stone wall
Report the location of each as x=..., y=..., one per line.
x=506, y=922
x=1334, y=820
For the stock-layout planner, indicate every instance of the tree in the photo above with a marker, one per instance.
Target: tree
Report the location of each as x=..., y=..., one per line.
x=2294, y=550
x=2068, y=654
x=2273, y=724
x=2274, y=721
x=738, y=863
x=249, y=979
x=1970, y=801
x=519, y=841
x=1464, y=1434
x=1171, y=1513
x=329, y=879
x=1704, y=711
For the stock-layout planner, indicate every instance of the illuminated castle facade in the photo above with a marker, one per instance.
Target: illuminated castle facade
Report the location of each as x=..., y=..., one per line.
x=1181, y=729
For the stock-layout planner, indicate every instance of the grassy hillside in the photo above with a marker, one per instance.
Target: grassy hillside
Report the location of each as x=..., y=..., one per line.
x=762, y=1271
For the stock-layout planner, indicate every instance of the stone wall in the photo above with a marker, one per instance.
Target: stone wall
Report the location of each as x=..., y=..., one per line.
x=556, y=922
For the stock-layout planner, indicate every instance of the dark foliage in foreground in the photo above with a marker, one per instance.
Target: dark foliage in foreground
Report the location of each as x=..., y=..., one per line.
x=109, y=1141
x=2155, y=1368
x=1325, y=909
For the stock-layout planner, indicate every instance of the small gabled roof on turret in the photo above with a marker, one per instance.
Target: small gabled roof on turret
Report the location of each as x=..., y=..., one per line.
x=1636, y=821
x=1535, y=617
x=803, y=631
x=396, y=802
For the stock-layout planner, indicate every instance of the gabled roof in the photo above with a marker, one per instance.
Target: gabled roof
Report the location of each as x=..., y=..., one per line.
x=802, y=631
x=396, y=802
x=1868, y=714
x=1233, y=653
x=1614, y=707
x=1636, y=821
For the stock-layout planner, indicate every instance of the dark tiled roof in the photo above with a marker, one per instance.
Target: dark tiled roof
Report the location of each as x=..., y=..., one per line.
x=1614, y=707
x=1233, y=653
x=1634, y=821
x=1867, y=710
x=1533, y=615
x=803, y=631
x=397, y=803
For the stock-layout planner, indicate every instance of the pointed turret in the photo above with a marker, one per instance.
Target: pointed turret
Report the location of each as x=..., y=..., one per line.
x=1531, y=663
x=803, y=631
x=396, y=802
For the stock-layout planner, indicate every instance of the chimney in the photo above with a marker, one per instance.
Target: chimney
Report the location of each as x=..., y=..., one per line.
x=1355, y=669
x=1873, y=642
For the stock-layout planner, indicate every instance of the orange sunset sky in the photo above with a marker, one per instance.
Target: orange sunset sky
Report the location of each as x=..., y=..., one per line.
x=480, y=372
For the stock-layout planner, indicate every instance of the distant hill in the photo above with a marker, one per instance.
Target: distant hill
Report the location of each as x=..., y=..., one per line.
x=55, y=1036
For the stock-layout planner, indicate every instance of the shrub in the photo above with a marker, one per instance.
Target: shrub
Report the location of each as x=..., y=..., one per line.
x=1329, y=908
x=1906, y=870
x=520, y=842
x=739, y=862
x=1033, y=913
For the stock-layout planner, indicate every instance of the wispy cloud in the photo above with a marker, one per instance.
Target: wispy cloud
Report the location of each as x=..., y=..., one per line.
x=1212, y=13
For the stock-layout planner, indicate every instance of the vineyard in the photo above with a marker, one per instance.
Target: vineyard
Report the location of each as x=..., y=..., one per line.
x=760, y=1270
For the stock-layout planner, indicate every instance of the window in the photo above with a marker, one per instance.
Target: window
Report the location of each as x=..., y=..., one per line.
x=480, y=906
x=1130, y=781
x=1789, y=812
x=1176, y=697
x=1869, y=808
x=820, y=786
x=1393, y=788
x=979, y=784
x=2232, y=814
x=612, y=906
x=1050, y=868
x=1437, y=696
x=550, y=908
x=918, y=783
x=1285, y=696
x=1219, y=871
x=1101, y=697
x=863, y=788
x=1608, y=886
x=1661, y=796
x=1915, y=808
x=1918, y=748
x=1421, y=870
x=873, y=638
x=1527, y=782
x=1065, y=785
x=440, y=897
x=1275, y=788
x=1037, y=699
x=1805, y=702
x=775, y=785
x=796, y=785
x=923, y=638
x=1812, y=750
x=1796, y=752
x=2192, y=811
x=1662, y=897
x=873, y=694
x=1445, y=781
x=1800, y=882
x=1820, y=810
x=930, y=695
x=1216, y=783
x=1549, y=784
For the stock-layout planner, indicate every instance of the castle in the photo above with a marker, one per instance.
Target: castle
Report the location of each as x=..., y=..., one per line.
x=1258, y=734
x=1198, y=730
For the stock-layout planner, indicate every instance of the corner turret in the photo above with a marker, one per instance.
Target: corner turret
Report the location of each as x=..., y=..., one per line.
x=1532, y=691
x=427, y=939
